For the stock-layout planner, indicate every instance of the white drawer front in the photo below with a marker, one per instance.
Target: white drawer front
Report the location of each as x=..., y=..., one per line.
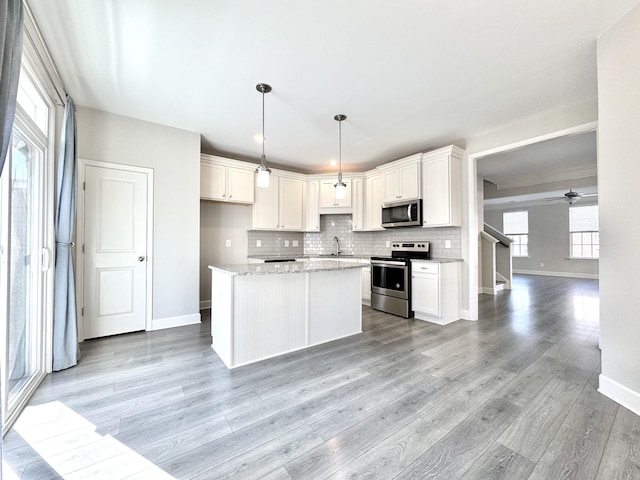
x=425, y=267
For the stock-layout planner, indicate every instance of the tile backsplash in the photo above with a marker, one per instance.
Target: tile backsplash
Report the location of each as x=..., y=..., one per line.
x=353, y=243
x=274, y=243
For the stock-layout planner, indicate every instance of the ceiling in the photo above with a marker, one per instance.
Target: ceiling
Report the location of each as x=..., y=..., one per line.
x=410, y=75
x=541, y=170
x=562, y=158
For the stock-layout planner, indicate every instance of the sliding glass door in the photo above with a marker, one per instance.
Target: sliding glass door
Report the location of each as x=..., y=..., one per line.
x=25, y=246
x=25, y=270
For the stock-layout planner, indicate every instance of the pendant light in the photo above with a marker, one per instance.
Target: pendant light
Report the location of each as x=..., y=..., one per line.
x=263, y=171
x=341, y=187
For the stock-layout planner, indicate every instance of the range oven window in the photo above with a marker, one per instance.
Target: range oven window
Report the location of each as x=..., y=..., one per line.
x=389, y=279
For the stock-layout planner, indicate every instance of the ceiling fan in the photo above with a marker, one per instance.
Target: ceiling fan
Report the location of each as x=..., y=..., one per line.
x=572, y=197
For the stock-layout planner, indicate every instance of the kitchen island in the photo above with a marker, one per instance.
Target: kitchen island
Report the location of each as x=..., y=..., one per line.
x=259, y=311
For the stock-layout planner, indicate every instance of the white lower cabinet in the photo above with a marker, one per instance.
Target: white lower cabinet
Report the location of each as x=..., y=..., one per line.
x=435, y=291
x=366, y=285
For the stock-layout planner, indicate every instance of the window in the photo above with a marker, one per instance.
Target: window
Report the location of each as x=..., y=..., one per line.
x=584, y=232
x=516, y=227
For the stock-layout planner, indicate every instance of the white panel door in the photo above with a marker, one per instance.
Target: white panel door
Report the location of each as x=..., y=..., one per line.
x=115, y=223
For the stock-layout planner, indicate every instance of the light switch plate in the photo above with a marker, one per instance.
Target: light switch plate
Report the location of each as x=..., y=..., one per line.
x=388, y=243
x=286, y=243
x=447, y=244
x=228, y=243
x=258, y=243
x=295, y=243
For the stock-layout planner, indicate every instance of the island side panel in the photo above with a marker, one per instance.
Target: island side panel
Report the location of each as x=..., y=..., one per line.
x=335, y=309
x=269, y=316
x=222, y=315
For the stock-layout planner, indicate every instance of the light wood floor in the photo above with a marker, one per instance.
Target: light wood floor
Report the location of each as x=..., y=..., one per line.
x=512, y=396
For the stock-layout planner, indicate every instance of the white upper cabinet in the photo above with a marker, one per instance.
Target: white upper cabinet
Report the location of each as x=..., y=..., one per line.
x=226, y=180
x=374, y=197
x=441, y=187
x=358, y=200
x=402, y=179
x=312, y=217
x=291, y=198
x=281, y=206
x=328, y=194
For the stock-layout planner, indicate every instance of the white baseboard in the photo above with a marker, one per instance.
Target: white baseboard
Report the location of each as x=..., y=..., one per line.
x=489, y=290
x=626, y=397
x=466, y=315
x=170, y=322
x=593, y=276
x=205, y=304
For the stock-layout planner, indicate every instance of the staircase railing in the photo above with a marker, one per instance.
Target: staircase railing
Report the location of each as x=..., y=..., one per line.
x=496, y=260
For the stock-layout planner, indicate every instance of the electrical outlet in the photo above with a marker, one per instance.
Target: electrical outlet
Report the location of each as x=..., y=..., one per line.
x=447, y=244
x=286, y=243
x=228, y=243
x=388, y=243
x=295, y=243
x=258, y=243
x=541, y=264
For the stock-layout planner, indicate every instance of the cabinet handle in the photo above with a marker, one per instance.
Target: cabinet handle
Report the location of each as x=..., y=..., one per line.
x=224, y=195
x=230, y=196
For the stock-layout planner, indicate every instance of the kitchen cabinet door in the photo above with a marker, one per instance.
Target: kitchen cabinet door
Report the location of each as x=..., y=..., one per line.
x=312, y=220
x=358, y=204
x=441, y=206
x=391, y=186
x=265, y=209
x=425, y=293
x=291, y=204
x=213, y=183
x=374, y=197
x=366, y=285
x=328, y=194
x=402, y=182
x=409, y=181
x=240, y=185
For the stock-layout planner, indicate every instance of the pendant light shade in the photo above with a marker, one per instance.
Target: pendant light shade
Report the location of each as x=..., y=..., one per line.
x=263, y=171
x=341, y=187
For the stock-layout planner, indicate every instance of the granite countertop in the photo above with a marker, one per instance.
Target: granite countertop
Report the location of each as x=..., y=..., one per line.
x=285, y=267
x=439, y=260
x=326, y=255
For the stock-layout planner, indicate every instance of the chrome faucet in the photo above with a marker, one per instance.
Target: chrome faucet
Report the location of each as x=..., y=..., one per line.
x=336, y=243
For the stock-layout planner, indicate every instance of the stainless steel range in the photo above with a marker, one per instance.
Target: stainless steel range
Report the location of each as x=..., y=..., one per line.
x=391, y=277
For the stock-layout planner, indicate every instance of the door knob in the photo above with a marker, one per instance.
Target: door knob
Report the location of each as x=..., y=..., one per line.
x=142, y=258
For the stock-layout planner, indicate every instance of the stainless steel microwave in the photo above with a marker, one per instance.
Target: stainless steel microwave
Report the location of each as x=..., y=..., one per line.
x=403, y=213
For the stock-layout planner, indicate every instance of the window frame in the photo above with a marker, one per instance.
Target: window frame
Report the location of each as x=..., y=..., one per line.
x=520, y=240
x=46, y=143
x=591, y=233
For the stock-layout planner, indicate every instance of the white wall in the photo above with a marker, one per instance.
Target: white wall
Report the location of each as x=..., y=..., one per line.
x=220, y=222
x=174, y=156
x=618, y=178
x=548, y=242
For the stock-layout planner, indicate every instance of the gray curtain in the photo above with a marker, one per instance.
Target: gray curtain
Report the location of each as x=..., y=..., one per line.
x=10, y=58
x=65, y=330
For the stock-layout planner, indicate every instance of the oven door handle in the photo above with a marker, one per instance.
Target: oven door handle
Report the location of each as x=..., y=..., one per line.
x=387, y=262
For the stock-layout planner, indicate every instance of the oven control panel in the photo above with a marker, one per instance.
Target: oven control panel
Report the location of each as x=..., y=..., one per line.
x=410, y=246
